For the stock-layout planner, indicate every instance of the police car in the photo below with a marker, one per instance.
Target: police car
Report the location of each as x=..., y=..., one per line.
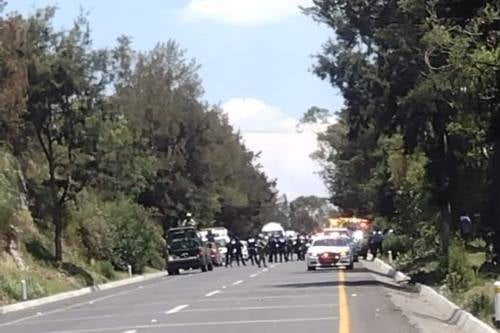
x=326, y=252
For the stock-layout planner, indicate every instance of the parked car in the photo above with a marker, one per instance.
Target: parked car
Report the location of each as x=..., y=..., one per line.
x=187, y=251
x=330, y=252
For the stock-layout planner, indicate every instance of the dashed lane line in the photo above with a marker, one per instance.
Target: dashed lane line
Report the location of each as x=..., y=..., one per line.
x=238, y=282
x=177, y=309
x=210, y=294
x=253, y=275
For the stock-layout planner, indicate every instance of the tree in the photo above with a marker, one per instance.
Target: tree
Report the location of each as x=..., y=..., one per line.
x=66, y=88
x=13, y=81
x=307, y=214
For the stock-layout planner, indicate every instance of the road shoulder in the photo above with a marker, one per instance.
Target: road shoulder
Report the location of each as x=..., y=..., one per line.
x=419, y=311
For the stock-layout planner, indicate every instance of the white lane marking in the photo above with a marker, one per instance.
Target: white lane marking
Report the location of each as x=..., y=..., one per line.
x=210, y=294
x=206, y=323
x=272, y=266
x=177, y=309
x=224, y=287
x=265, y=270
x=130, y=331
x=253, y=275
x=238, y=282
x=100, y=299
x=154, y=321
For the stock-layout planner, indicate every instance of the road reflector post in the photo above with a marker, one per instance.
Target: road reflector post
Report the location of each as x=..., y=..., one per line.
x=497, y=304
x=24, y=290
x=129, y=267
x=389, y=253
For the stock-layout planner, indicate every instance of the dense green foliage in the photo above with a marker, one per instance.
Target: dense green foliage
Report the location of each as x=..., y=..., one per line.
x=116, y=145
x=418, y=140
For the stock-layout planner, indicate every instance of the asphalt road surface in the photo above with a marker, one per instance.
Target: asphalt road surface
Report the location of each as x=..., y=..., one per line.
x=281, y=298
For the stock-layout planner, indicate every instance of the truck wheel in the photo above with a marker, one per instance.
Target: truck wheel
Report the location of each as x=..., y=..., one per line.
x=311, y=268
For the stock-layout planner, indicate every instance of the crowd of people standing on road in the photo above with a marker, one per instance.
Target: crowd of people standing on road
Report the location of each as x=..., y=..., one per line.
x=263, y=249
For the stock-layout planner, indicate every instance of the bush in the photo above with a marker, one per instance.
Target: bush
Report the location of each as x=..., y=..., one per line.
x=106, y=269
x=460, y=272
x=88, y=228
x=10, y=197
x=480, y=301
x=134, y=239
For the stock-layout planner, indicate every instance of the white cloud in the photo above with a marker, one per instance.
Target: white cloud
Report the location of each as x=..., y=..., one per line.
x=285, y=153
x=243, y=12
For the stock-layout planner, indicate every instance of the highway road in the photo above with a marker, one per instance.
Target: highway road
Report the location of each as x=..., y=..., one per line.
x=281, y=298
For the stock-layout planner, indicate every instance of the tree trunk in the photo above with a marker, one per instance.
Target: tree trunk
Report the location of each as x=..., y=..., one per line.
x=58, y=232
x=495, y=199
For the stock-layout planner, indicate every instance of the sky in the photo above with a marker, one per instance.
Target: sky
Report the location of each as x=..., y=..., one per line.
x=256, y=58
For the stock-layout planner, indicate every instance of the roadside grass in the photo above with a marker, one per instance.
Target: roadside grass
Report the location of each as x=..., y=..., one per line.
x=45, y=278
x=477, y=297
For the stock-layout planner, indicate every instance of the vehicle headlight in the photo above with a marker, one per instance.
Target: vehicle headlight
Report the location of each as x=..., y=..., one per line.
x=172, y=257
x=344, y=253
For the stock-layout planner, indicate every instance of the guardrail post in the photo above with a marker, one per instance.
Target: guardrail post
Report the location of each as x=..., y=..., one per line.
x=389, y=253
x=129, y=267
x=497, y=304
x=24, y=290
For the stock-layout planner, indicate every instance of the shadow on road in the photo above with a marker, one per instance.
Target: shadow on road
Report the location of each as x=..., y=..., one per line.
x=352, y=283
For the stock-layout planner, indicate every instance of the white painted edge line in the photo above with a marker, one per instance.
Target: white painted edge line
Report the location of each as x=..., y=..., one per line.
x=79, y=292
x=177, y=309
x=265, y=270
x=253, y=275
x=130, y=331
x=238, y=282
x=210, y=294
x=64, y=308
x=206, y=323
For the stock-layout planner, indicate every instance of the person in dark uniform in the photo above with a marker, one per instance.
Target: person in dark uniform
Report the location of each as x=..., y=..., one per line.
x=262, y=249
x=289, y=249
x=296, y=247
x=210, y=237
x=252, y=250
x=239, y=253
x=376, y=243
x=282, y=248
x=230, y=253
x=273, y=250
